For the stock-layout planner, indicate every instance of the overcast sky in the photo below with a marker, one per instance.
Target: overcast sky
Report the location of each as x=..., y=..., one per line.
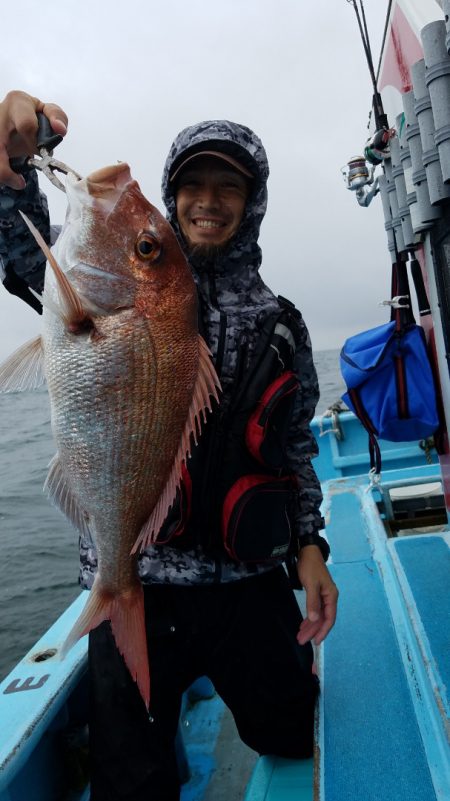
x=130, y=75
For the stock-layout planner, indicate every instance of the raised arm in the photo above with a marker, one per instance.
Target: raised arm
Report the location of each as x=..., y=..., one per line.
x=22, y=264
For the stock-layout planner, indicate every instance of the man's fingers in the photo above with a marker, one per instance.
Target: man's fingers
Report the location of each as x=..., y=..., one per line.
x=7, y=176
x=321, y=610
x=18, y=130
x=328, y=616
x=18, y=137
x=308, y=630
x=316, y=631
x=23, y=135
x=26, y=124
x=313, y=604
x=57, y=118
x=323, y=630
x=19, y=123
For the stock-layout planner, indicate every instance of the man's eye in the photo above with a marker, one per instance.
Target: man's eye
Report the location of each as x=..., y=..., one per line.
x=189, y=183
x=232, y=185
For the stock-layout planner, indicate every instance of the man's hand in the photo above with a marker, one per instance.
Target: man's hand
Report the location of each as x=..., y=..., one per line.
x=18, y=128
x=321, y=596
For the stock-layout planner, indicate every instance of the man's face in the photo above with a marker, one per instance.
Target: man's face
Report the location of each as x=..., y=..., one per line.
x=210, y=200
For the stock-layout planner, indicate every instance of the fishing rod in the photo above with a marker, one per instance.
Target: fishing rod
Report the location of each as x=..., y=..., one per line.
x=381, y=120
x=357, y=175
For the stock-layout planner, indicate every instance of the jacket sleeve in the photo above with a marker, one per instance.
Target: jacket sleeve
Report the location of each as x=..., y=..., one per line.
x=20, y=255
x=302, y=445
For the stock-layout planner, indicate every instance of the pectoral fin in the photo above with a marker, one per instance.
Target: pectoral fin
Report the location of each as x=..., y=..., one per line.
x=61, y=495
x=70, y=308
x=24, y=369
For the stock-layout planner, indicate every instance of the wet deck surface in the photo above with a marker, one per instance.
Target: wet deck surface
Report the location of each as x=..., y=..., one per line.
x=426, y=564
x=235, y=764
x=382, y=696
x=220, y=764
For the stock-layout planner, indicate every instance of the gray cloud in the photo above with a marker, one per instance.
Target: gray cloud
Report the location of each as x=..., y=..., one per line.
x=131, y=75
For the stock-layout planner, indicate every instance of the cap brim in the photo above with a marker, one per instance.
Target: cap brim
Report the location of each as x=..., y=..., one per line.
x=223, y=156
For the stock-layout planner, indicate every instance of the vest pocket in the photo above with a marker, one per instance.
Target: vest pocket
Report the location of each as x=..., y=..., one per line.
x=268, y=426
x=256, y=521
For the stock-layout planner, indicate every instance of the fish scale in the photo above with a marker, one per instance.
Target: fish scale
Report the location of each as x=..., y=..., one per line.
x=127, y=473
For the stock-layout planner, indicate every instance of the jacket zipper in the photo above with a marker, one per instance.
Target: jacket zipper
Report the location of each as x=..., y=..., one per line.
x=222, y=323
x=241, y=359
x=215, y=445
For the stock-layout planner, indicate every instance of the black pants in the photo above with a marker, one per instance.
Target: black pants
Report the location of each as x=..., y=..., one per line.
x=243, y=636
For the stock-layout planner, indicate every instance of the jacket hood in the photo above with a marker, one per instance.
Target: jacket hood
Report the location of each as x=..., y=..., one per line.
x=241, y=143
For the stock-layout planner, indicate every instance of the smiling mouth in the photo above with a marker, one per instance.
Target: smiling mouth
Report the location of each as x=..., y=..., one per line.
x=208, y=223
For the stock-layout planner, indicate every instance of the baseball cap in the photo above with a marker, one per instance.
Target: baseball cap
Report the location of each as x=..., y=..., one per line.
x=217, y=154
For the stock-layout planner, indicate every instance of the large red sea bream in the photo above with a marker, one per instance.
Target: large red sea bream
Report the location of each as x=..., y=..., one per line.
x=128, y=377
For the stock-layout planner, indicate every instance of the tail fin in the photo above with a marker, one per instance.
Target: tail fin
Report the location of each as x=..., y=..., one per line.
x=127, y=616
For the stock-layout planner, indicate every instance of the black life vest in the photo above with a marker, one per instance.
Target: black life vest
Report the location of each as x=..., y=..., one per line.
x=238, y=492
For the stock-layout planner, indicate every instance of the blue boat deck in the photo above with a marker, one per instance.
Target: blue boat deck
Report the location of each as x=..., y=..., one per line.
x=383, y=718
x=384, y=710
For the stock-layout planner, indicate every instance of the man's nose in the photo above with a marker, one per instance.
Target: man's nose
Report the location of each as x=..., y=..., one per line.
x=209, y=196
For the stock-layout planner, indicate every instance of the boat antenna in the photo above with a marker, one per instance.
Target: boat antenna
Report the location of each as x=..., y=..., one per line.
x=380, y=117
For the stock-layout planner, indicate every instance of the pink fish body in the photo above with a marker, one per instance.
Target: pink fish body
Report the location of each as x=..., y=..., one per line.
x=129, y=380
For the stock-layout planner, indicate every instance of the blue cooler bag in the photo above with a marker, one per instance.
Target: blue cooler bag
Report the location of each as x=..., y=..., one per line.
x=390, y=383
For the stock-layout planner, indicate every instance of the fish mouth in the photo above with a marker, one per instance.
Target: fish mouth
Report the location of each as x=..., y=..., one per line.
x=102, y=189
x=108, y=180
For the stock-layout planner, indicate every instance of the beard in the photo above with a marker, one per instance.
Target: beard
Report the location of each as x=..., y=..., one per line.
x=205, y=256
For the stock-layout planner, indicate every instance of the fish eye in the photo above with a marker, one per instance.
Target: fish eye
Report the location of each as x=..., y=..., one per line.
x=147, y=247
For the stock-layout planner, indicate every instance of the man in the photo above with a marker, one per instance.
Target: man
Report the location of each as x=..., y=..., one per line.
x=210, y=611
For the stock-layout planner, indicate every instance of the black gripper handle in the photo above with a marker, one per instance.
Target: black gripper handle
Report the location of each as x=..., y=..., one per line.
x=46, y=137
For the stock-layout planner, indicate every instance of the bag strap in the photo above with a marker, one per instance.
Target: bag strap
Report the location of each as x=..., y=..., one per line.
x=374, y=448
x=421, y=292
x=374, y=454
x=402, y=312
x=265, y=357
x=400, y=286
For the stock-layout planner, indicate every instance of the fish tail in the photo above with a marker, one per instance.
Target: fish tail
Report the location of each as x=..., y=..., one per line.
x=126, y=613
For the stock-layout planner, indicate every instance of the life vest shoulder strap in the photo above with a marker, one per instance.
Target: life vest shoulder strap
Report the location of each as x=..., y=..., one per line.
x=278, y=339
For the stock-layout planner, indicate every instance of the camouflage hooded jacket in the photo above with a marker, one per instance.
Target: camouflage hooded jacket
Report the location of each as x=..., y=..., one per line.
x=234, y=301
